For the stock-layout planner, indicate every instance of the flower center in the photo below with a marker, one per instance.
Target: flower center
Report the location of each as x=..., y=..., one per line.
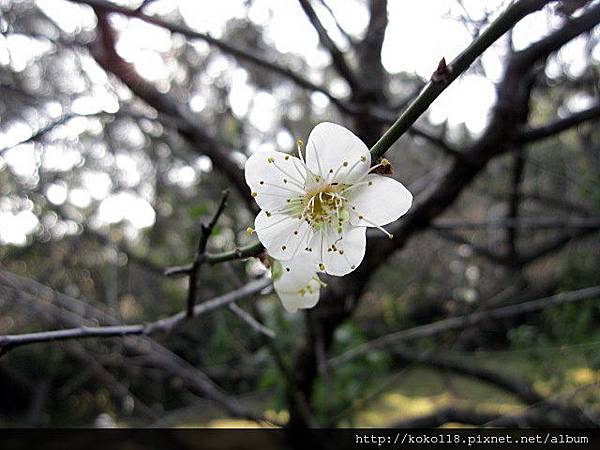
x=324, y=206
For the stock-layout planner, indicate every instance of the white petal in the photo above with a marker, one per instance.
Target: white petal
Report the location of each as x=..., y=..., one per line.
x=297, y=285
x=333, y=150
x=272, y=183
x=379, y=203
x=282, y=235
x=292, y=301
x=340, y=253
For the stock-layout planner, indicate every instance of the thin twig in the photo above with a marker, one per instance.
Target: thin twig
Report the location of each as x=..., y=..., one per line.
x=205, y=232
x=251, y=321
x=214, y=258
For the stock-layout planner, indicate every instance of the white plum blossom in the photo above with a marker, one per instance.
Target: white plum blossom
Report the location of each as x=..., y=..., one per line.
x=315, y=209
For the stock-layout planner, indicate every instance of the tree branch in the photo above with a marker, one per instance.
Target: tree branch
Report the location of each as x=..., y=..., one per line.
x=559, y=125
x=445, y=75
x=205, y=232
x=103, y=50
x=9, y=342
x=195, y=380
x=541, y=223
x=337, y=57
x=236, y=52
x=460, y=322
x=214, y=258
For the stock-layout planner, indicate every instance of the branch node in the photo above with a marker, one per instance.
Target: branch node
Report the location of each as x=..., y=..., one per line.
x=442, y=72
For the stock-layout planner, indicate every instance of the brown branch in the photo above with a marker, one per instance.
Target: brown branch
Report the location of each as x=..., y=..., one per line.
x=372, y=73
x=230, y=49
x=446, y=74
x=205, y=232
x=560, y=125
x=103, y=50
x=510, y=113
x=461, y=322
x=341, y=29
x=337, y=57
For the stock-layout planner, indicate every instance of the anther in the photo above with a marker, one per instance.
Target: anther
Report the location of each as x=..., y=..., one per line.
x=321, y=266
x=283, y=247
x=254, y=194
x=287, y=269
x=363, y=158
x=345, y=164
x=270, y=159
x=249, y=230
x=268, y=213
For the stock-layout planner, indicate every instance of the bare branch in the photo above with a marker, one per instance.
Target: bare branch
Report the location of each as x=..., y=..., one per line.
x=470, y=320
x=195, y=380
x=8, y=342
x=437, y=141
x=251, y=321
x=435, y=87
x=236, y=52
x=214, y=258
x=205, y=232
x=560, y=125
x=541, y=223
x=103, y=50
x=341, y=29
x=339, y=62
